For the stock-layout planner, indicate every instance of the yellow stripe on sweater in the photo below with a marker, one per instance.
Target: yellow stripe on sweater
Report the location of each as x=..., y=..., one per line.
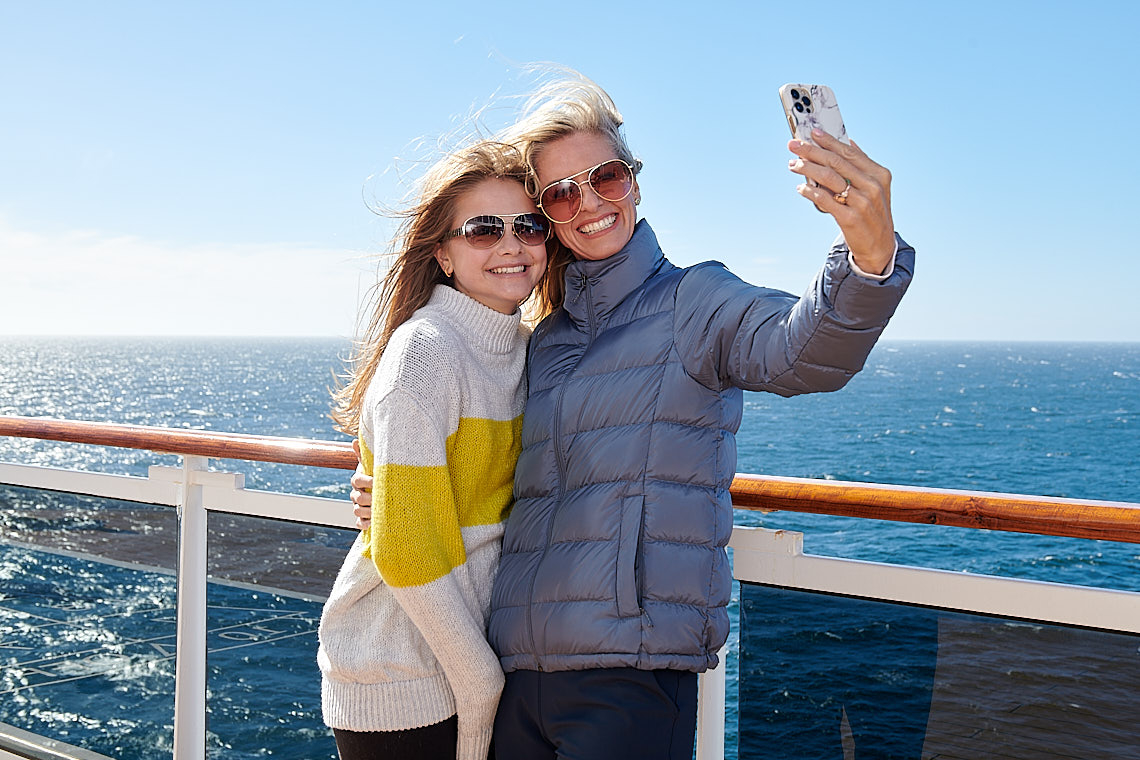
x=417, y=511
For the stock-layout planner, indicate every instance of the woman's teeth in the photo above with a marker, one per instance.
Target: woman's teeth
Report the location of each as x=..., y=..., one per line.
x=508, y=270
x=598, y=226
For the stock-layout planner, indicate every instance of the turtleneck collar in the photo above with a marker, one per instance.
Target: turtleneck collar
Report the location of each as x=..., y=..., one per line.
x=483, y=326
x=596, y=288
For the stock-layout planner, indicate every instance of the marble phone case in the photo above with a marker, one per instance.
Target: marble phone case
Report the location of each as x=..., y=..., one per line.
x=809, y=106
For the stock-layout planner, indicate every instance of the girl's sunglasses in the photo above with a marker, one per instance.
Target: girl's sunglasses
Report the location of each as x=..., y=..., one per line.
x=562, y=200
x=487, y=230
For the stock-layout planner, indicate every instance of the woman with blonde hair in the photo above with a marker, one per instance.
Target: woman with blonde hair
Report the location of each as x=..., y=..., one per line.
x=435, y=401
x=613, y=587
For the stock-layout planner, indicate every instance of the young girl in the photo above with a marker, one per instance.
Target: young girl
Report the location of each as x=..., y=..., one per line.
x=435, y=400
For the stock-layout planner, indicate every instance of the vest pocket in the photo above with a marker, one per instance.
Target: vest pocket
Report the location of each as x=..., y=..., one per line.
x=629, y=545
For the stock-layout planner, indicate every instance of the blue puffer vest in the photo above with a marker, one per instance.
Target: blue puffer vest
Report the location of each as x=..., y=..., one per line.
x=614, y=550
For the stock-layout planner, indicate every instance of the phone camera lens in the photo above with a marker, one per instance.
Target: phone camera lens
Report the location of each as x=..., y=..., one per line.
x=806, y=101
x=799, y=107
x=795, y=94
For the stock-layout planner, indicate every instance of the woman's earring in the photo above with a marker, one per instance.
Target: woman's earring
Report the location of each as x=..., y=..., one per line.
x=446, y=270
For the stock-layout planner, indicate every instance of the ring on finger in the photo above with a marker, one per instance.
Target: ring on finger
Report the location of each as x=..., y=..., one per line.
x=842, y=197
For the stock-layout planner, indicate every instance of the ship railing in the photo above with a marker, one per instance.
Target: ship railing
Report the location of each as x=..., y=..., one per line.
x=772, y=559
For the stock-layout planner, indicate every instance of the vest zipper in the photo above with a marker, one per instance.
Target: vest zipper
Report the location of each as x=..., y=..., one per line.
x=560, y=462
x=590, y=309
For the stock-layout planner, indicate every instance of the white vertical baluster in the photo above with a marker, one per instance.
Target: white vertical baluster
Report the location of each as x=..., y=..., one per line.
x=190, y=660
x=710, y=711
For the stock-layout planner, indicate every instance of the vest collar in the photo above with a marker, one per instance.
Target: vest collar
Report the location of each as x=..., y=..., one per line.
x=597, y=288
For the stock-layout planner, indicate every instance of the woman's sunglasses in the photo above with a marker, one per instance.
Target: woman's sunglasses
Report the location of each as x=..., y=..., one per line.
x=487, y=230
x=562, y=200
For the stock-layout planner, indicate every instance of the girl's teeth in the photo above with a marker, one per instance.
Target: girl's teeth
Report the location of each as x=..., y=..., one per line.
x=508, y=270
x=598, y=226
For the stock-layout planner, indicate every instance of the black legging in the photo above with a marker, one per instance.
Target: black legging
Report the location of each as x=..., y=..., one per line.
x=434, y=742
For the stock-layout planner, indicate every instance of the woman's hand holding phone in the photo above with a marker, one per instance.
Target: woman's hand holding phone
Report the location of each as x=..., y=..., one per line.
x=841, y=179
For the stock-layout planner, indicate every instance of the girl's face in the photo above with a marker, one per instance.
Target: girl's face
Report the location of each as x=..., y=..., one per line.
x=601, y=228
x=501, y=275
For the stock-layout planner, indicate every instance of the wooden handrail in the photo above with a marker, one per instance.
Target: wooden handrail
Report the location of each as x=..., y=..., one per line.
x=260, y=448
x=1043, y=515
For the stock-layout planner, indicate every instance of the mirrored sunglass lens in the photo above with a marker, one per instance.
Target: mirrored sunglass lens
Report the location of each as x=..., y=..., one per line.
x=483, y=231
x=531, y=229
x=561, y=200
x=612, y=180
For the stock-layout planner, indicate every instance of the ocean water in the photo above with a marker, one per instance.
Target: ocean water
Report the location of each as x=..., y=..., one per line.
x=1034, y=418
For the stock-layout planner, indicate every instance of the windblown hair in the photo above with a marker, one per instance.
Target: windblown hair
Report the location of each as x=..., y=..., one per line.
x=414, y=272
x=567, y=102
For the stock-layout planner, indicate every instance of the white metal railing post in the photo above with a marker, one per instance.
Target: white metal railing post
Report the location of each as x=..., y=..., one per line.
x=710, y=711
x=190, y=660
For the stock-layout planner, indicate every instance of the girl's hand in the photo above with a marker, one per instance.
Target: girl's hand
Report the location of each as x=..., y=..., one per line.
x=361, y=495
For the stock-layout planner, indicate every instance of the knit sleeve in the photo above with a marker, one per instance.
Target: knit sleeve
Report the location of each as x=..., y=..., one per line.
x=416, y=544
x=459, y=643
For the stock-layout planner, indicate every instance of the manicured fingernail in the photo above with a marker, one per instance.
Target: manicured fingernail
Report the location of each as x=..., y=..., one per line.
x=816, y=132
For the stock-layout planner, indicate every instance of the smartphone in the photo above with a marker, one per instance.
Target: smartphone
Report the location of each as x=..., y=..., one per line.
x=812, y=106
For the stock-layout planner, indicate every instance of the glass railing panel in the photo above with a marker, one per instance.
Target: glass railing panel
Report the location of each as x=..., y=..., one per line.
x=87, y=635
x=269, y=579
x=144, y=534
x=825, y=676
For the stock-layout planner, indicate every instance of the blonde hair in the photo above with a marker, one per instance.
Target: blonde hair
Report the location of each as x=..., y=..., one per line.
x=565, y=103
x=414, y=272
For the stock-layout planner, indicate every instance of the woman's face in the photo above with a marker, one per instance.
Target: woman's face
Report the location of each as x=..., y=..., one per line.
x=602, y=228
x=502, y=275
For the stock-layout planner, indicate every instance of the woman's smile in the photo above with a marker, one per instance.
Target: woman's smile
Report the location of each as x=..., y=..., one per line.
x=602, y=224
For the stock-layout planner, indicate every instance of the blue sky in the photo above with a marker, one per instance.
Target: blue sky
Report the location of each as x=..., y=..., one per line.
x=200, y=169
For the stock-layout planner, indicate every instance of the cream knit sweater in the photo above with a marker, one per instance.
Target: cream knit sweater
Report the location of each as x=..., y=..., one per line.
x=403, y=634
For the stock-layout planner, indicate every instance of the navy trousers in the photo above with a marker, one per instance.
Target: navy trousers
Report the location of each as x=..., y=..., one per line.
x=601, y=714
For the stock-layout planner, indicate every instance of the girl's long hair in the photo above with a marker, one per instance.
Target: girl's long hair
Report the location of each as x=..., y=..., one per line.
x=414, y=272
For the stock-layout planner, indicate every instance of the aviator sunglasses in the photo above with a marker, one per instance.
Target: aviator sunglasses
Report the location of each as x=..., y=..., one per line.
x=562, y=200
x=488, y=229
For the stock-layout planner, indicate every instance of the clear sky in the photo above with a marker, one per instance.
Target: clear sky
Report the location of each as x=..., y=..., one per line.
x=200, y=168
